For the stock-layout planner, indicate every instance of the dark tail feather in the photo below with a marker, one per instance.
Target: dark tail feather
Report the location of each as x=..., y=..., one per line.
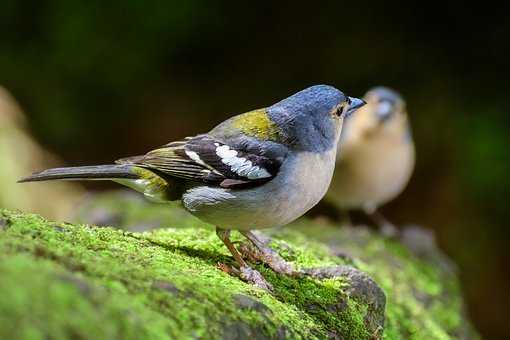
x=83, y=172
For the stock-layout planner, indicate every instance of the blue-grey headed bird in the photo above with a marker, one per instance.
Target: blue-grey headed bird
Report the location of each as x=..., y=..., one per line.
x=376, y=156
x=259, y=169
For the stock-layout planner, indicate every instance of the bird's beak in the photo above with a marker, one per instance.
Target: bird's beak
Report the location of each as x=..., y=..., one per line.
x=356, y=103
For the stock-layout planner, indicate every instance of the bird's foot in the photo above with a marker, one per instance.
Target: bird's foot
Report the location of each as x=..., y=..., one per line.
x=247, y=274
x=244, y=272
x=269, y=257
x=389, y=230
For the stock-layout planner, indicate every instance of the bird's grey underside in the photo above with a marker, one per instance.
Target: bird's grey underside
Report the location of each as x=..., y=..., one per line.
x=302, y=181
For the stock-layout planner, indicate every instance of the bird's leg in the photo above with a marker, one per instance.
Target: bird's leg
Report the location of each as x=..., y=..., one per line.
x=244, y=272
x=386, y=228
x=259, y=251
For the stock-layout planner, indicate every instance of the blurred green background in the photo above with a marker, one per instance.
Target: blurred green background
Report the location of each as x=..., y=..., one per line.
x=101, y=80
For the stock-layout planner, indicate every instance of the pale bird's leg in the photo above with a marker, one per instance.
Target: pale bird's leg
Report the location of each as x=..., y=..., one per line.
x=259, y=251
x=386, y=228
x=244, y=272
x=346, y=219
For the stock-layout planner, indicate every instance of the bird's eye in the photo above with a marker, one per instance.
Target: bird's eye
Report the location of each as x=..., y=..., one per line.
x=340, y=110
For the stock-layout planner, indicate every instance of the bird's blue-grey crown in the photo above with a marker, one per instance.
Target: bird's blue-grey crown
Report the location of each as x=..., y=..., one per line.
x=306, y=117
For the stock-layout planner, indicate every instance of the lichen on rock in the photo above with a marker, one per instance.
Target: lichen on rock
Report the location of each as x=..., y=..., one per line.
x=61, y=280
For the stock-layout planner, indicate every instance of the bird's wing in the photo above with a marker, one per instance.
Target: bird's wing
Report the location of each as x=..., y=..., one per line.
x=205, y=159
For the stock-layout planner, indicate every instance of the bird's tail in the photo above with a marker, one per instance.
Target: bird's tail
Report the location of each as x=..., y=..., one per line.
x=152, y=185
x=107, y=172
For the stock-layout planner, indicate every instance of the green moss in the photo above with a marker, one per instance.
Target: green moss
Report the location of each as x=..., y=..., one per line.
x=108, y=283
x=423, y=299
x=53, y=301
x=67, y=281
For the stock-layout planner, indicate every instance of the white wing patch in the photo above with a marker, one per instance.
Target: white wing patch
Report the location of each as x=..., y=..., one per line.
x=240, y=165
x=194, y=156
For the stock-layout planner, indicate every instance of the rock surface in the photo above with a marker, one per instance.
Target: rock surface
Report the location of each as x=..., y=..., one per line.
x=61, y=280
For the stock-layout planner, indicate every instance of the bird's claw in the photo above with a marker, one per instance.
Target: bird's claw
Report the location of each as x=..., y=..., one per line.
x=247, y=274
x=268, y=256
x=254, y=277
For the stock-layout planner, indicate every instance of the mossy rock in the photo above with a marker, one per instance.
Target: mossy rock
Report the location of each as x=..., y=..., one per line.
x=67, y=281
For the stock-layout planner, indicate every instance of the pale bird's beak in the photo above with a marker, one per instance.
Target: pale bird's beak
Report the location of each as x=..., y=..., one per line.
x=356, y=103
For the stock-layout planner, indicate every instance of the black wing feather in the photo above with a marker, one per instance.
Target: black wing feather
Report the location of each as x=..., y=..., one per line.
x=197, y=159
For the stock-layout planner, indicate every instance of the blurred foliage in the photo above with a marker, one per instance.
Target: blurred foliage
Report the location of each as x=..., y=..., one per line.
x=20, y=155
x=103, y=80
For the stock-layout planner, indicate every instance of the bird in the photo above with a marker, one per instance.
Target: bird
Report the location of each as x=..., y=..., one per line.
x=259, y=169
x=376, y=157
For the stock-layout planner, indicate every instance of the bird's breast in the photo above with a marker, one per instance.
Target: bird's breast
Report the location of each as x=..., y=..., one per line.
x=301, y=183
x=309, y=178
x=372, y=173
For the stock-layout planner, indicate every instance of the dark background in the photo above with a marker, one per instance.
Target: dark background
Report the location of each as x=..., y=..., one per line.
x=101, y=80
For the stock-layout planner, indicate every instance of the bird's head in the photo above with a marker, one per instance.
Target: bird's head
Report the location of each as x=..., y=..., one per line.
x=385, y=103
x=311, y=120
x=385, y=113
